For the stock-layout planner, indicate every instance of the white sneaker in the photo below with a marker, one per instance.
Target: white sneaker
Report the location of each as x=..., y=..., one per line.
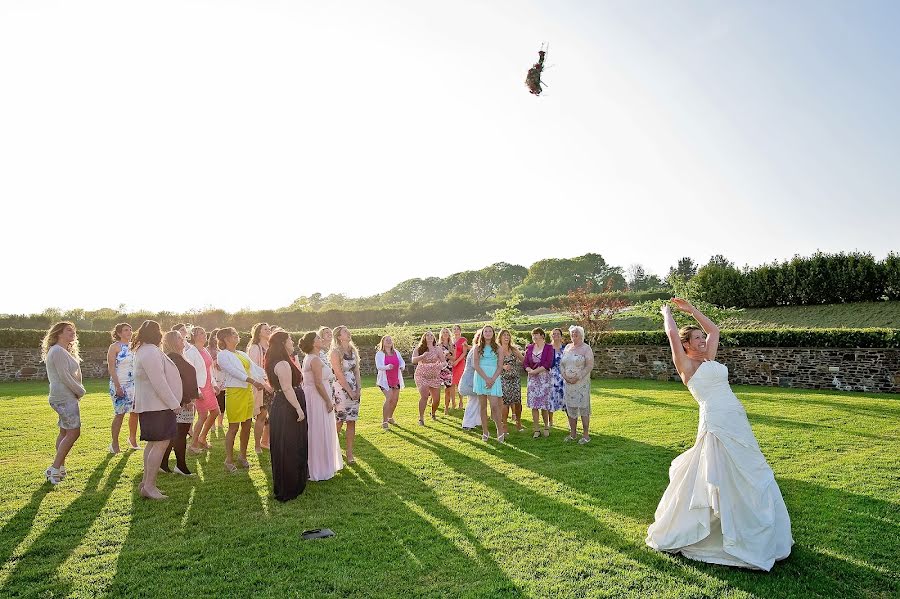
x=52, y=475
x=584, y=440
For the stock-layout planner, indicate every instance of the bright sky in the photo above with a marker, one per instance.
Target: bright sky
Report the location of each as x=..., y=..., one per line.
x=177, y=155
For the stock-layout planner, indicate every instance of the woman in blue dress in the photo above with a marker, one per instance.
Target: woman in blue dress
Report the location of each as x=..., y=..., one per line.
x=558, y=385
x=488, y=388
x=120, y=362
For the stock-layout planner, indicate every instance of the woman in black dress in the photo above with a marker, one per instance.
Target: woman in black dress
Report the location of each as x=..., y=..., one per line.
x=287, y=420
x=173, y=346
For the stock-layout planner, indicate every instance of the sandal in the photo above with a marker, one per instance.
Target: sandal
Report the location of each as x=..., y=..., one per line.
x=385, y=426
x=536, y=435
x=113, y=451
x=584, y=440
x=52, y=475
x=229, y=467
x=485, y=438
x=546, y=432
x=421, y=422
x=569, y=438
x=243, y=463
x=391, y=421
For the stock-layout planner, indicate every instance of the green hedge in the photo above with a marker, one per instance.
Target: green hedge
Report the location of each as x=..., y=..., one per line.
x=886, y=338
x=850, y=338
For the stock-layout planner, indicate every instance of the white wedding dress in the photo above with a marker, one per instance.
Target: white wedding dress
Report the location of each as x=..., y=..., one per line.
x=722, y=504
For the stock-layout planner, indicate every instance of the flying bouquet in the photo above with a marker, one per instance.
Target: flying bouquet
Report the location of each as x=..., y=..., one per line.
x=533, y=79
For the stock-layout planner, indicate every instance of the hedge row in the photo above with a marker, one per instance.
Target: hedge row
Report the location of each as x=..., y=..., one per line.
x=814, y=280
x=881, y=338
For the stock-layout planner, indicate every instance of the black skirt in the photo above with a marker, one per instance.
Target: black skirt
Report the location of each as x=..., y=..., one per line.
x=288, y=446
x=220, y=397
x=157, y=426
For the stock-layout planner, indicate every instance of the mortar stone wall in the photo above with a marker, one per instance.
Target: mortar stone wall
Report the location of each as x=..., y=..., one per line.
x=871, y=370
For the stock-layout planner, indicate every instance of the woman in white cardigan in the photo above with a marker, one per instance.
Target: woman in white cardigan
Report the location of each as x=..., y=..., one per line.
x=157, y=399
x=241, y=377
x=390, y=367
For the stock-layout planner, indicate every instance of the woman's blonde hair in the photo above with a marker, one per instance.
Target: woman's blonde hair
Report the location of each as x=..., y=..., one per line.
x=168, y=342
x=380, y=346
x=52, y=337
x=440, y=337
x=336, y=344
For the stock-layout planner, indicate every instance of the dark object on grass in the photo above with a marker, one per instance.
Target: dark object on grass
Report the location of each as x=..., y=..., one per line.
x=533, y=79
x=316, y=533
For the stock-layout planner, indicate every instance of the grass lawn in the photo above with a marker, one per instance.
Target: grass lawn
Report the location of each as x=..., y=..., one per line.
x=435, y=512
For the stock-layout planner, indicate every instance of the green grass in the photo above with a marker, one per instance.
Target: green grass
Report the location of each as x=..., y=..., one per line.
x=435, y=512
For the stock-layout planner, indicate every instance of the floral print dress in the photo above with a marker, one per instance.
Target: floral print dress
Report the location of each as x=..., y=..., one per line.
x=125, y=374
x=558, y=385
x=447, y=370
x=346, y=408
x=511, y=381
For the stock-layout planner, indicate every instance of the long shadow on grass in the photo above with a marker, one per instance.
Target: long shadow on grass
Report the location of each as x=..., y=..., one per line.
x=820, y=400
x=35, y=573
x=552, y=511
x=18, y=527
x=481, y=575
x=846, y=543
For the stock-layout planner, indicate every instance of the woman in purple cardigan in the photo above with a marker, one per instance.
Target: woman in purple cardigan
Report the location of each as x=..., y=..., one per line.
x=538, y=360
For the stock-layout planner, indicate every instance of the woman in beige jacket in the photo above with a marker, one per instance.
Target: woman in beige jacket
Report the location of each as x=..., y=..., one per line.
x=157, y=399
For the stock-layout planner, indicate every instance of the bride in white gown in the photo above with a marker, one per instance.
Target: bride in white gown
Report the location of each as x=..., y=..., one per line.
x=722, y=504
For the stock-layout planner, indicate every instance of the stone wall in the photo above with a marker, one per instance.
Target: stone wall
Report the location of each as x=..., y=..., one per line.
x=872, y=370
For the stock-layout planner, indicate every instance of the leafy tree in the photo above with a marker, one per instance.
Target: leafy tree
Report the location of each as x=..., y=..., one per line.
x=685, y=268
x=593, y=311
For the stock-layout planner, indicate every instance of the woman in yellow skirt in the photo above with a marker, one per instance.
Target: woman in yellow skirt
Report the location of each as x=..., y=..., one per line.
x=241, y=376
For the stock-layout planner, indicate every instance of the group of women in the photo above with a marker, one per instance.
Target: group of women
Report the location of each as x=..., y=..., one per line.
x=177, y=384
x=722, y=504
x=489, y=374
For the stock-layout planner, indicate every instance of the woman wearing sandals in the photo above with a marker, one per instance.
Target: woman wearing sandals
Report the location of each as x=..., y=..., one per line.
x=576, y=365
x=256, y=349
x=120, y=363
x=59, y=351
x=511, y=381
x=390, y=365
x=538, y=362
x=346, y=387
x=472, y=412
x=208, y=404
x=487, y=362
x=157, y=400
x=242, y=375
x=429, y=361
x=557, y=384
x=324, y=450
x=445, y=344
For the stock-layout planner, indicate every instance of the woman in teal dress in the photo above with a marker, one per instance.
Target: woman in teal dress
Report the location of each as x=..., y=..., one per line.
x=488, y=388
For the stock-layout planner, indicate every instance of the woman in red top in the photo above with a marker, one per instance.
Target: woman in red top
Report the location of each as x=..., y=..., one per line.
x=461, y=349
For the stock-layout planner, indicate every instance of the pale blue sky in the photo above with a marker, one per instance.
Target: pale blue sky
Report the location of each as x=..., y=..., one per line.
x=752, y=129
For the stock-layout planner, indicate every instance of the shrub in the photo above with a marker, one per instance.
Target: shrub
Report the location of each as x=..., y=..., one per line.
x=849, y=338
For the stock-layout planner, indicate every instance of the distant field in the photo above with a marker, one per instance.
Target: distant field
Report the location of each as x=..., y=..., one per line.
x=853, y=316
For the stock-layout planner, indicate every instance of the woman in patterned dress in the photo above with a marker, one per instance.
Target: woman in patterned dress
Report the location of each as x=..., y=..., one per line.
x=429, y=360
x=120, y=363
x=461, y=350
x=446, y=346
x=576, y=365
x=346, y=388
x=511, y=380
x=557, y=384
x=538, y=362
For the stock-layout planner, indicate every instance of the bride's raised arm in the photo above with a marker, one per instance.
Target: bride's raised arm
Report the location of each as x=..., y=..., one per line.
x=708, y=326
x=679, y=357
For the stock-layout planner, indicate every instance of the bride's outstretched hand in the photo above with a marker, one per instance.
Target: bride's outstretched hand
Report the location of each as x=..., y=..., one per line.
x=683, y=304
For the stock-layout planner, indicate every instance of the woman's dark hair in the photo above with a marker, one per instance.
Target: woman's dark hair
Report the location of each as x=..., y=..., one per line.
x=278, y=353
x=539, y=331
x=423, y=344
x=117, y=331
x=223, y=334
x=212, y=338
x=307, y=342
x=148, y=333
x=180, y=325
